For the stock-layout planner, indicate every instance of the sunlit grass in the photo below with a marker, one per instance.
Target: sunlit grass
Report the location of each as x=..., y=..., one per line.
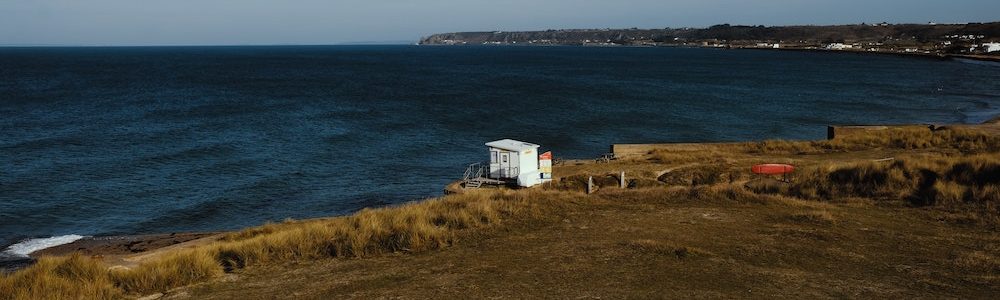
x=417, y=226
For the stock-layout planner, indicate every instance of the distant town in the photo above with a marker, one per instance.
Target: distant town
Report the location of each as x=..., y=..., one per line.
x=973, y=39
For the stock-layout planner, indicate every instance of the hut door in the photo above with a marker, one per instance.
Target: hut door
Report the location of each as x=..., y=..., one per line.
x=504, y=164
x=494, y=164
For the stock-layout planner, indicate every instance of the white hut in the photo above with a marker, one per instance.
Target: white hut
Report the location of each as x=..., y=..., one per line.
x=510, y=159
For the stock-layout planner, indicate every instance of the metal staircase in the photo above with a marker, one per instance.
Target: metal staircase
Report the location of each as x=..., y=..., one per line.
x=475, y=178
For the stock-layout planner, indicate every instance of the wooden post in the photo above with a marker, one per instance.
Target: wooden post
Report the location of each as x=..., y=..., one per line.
x=590, y=185
x=621, y=180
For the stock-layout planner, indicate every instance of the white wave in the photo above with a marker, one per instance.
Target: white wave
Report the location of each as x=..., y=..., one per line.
x=26, y=247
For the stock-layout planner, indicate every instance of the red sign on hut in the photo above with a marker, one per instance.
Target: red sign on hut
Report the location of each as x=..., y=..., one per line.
x=545, y=166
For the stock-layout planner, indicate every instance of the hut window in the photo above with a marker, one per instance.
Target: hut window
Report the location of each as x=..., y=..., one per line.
x=493, y=158
x=505, y=158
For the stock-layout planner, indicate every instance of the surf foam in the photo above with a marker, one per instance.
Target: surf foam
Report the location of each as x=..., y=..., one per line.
x=26, y=247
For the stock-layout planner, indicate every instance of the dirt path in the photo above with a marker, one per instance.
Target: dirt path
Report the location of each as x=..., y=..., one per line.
x=671, y=169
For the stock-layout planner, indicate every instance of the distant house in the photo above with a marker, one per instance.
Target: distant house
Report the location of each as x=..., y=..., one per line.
x=991, y=47
x=768, y=45
x=839, y=46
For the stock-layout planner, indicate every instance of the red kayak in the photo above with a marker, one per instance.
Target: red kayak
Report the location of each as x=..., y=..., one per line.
x=772, y=169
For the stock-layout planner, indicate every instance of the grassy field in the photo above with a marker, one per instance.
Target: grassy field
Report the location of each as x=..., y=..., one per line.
x=707, y=242
x=899, y=213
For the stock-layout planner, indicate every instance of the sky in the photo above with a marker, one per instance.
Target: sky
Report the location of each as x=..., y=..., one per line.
x=312, y=22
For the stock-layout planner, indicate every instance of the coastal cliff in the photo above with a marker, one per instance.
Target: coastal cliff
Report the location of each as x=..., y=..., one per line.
x=939, y=38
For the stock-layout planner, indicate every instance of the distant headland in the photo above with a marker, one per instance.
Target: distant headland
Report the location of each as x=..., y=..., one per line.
x=972, y=39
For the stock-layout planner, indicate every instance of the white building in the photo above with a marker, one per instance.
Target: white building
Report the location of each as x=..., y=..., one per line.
x=510, y=159
x=839, y=46
x=991, y=47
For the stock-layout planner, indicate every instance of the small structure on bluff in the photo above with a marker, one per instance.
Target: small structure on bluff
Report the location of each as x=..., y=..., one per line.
x=516, y=160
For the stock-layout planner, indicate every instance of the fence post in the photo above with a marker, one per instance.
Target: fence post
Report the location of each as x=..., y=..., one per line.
x=590, y=185
x=621, y=180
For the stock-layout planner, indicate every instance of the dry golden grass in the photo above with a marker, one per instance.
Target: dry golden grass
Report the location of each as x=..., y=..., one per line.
x=72, y=277
x=728, y=163
x=661, y=248
x=708, y=174
x=979, y=260
x=822, y=217
x=716, y=154
x=173, y=270
x=661, y=242
x=792, y=227
x=967, y=140
x=416, y=226
x=955, y=182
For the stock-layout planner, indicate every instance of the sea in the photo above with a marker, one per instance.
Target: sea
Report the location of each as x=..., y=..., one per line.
x=129, y=140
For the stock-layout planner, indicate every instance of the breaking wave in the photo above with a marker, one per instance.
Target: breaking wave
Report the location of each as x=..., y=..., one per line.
x=29, y=246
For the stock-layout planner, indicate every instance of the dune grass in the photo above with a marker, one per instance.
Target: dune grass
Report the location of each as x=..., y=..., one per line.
x=72, y=277
x=411, y=227
x=965, y=140
x=949, y=182
x=173, y=270
x=968, y=141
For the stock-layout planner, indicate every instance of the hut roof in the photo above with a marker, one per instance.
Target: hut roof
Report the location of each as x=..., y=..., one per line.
x=511, y=145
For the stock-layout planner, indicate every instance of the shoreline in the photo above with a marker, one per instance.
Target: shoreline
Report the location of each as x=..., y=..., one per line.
x=124, y=249
x=934, y=56
x=115, y=247
x=121, y=244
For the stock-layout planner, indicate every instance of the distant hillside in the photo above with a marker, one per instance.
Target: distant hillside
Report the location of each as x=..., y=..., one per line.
x=940, y=37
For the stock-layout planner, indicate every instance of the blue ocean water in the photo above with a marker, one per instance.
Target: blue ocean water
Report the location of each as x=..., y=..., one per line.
x=163, y=139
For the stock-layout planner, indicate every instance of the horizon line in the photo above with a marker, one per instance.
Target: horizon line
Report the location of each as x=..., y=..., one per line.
x=382, y=43
x=417, y=41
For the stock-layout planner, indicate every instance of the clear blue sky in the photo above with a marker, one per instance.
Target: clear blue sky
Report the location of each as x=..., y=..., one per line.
x=245, y=22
